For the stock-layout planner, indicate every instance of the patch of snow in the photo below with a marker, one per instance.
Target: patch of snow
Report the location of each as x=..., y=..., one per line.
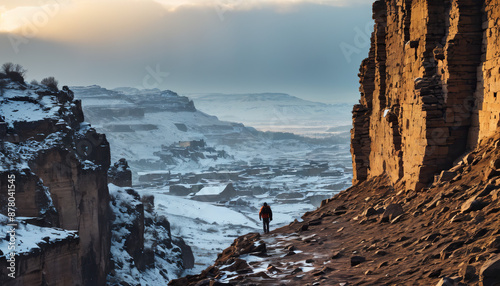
x=15, y=111
x=30, y=237
x=386, y=112
x=213, y=190
x=167, y=204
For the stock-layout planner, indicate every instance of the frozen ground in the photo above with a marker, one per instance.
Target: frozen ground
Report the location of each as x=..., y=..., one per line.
x=29, y=237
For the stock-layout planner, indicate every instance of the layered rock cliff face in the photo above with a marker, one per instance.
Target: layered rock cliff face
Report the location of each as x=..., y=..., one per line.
x=60, y=166
x=67, y=229
x=428, y=88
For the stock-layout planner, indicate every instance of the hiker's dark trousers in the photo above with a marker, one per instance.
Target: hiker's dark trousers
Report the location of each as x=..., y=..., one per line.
x=265, y=221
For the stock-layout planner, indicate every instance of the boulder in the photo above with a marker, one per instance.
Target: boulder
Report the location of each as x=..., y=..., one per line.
x=391, y=212
x=356, y=260
x=473, y=204
x=120, y=174
x=435, y=273
x=460, y=218
x=467, y=272
x=272, y=269
x=495, y=164
x=239, y=266
x=468, y=159
x=495, y=195
x=336, y=255
x=491, y=171
x=448, y=250
x=446, y=281
x=304, y=227
x=494, y=243
x=446, y=176
x=369, y=212
x=187, y=253
x=486, y=190
x=489, y=275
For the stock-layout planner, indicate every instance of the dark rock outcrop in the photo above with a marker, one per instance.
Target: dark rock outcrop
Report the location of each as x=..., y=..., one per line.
x=120, y=174
x=490, y=272
x=61, y=166
x=142, y=241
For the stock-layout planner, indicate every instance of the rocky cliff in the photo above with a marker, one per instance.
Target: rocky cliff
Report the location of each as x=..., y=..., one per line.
x=60, y=167
x=428, y=88
x=59, y=224
x=143, y=249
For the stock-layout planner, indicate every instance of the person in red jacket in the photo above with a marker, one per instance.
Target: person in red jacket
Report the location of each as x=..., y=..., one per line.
x=266, y=215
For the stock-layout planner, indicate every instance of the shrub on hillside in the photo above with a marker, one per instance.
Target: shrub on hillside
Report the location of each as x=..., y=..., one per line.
x=51, y=83
x=15, y=72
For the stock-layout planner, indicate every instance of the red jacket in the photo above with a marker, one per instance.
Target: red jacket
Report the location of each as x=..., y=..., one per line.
x=266, y=212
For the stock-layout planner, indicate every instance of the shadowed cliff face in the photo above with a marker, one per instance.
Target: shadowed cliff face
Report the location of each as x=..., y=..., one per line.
x=60, y=165
x=428, y=88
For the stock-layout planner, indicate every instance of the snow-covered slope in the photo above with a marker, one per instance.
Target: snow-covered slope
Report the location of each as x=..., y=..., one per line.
x=276, y=112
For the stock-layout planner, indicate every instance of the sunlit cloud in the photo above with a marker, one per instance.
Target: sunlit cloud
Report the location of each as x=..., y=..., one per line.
x=30, y=15
x=253, y=4
x=18, y=14
x=12, y=19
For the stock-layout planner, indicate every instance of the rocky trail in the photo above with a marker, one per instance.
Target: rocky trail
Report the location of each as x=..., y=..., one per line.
x=376, y=233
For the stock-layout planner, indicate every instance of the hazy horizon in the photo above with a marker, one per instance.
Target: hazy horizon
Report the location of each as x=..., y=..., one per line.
x=308, y=49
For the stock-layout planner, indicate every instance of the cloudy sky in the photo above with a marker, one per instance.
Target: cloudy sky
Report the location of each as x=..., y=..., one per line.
x=308, y=48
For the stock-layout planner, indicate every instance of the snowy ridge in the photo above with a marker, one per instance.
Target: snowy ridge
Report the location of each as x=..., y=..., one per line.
x=276, y=112
x=140, y=136
x=28, y=105
x=31, y=237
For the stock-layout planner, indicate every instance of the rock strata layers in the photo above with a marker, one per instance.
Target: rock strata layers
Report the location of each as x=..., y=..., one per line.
x=428, y=88
x=60, y=166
